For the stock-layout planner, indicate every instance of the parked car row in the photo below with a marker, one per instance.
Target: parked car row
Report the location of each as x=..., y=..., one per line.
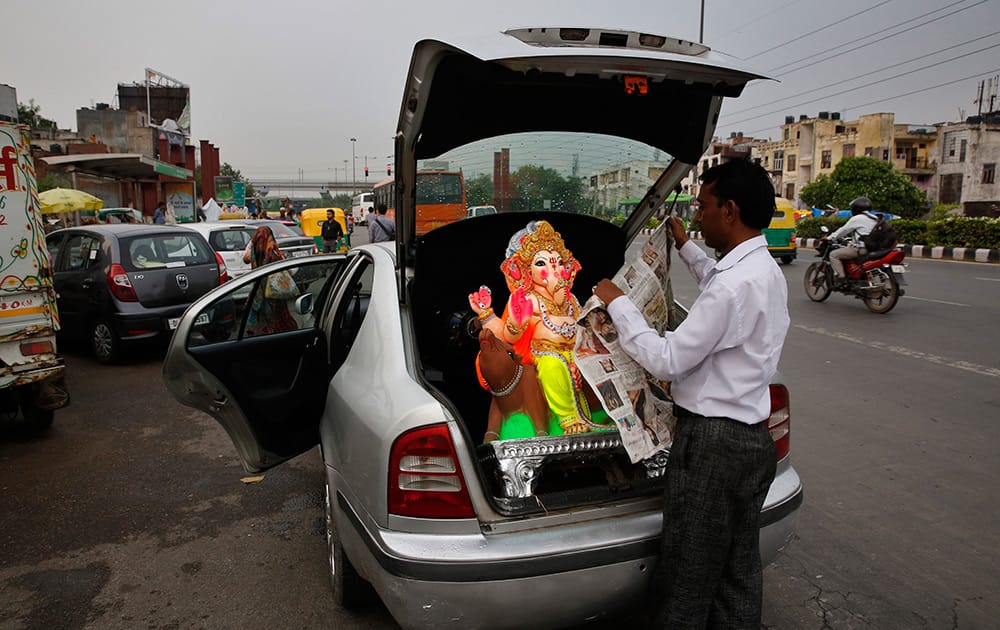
x=121, y=285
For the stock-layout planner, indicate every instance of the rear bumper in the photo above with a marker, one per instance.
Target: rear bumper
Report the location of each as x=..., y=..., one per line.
x=522, y=579
x=149, y=324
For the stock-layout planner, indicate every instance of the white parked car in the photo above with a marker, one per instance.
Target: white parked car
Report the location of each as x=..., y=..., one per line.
x=230, y=239
x=379, y=365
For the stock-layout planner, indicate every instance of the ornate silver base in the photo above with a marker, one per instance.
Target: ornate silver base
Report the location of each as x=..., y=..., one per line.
x=521, y=461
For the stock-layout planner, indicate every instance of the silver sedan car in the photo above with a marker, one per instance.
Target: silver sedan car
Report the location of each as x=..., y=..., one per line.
x=373, y=353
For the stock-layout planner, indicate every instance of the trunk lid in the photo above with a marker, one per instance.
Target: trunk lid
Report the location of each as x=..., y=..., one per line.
x=169, y=268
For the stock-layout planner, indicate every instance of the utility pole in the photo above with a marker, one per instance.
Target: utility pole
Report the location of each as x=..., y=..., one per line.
x=354, y=165
x=701, y=27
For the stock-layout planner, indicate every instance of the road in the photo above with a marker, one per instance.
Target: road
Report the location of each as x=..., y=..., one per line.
x=131, y=513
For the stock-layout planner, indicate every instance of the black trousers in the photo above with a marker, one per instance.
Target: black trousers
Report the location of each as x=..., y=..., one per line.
x=717, y=477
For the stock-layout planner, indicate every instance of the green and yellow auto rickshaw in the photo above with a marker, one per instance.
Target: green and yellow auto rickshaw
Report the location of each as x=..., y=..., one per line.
x=312, y=224
x=780, y=234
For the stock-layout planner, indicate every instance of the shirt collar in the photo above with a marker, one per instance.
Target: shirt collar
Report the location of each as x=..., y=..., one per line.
x=740, y=251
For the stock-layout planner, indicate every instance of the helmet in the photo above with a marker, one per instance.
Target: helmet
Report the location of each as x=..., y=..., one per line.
x=861, y=204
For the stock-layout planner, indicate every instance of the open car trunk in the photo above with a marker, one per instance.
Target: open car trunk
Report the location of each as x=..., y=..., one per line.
x=528, y=475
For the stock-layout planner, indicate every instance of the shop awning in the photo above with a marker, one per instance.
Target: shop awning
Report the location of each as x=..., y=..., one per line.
x=119, y=166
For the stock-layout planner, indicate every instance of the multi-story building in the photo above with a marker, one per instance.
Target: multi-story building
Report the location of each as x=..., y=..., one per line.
x=809, y=147
x=618, y=182
x=967, y=154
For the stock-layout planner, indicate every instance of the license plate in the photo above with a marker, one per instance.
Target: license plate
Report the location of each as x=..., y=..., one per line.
x=299, y=254
x=172, y=322
x=899, y=268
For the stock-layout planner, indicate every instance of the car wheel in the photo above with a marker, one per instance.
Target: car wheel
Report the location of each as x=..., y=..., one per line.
x=104, y=342
x=350, y=590
x=787, y=259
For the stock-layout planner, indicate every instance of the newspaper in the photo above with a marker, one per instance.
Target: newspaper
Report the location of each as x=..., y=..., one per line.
x=637, y=401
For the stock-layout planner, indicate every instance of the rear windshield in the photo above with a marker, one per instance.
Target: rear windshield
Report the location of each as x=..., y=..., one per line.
x=157, y=251
x=231, y=240
x=281, y=230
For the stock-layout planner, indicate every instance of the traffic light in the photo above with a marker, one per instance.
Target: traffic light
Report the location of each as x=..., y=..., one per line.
x=388, y=169
x=366, y=172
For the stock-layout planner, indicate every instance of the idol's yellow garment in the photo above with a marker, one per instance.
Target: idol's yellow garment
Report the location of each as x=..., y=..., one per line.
x=566, y=402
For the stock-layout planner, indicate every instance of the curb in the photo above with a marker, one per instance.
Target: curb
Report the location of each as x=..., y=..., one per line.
x=941, y=253
x=913, y=251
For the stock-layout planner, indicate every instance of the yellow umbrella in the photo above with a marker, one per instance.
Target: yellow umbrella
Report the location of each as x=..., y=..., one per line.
x=67, y=200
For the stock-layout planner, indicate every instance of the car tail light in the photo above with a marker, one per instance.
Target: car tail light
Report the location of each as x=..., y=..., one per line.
x=223, y=270
x=119, y=284
x=425, y=480
x=780, y=421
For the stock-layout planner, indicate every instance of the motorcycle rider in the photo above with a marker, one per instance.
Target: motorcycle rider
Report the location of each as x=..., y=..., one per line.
x=860, y=224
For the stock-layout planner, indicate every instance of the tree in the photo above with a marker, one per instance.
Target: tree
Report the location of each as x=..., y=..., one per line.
x=28, y=115
x=479, y=190
x=889, y=190
x=533, y=186
x=52, y=180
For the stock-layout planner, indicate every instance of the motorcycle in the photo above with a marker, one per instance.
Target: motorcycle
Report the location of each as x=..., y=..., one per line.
x=876, y=278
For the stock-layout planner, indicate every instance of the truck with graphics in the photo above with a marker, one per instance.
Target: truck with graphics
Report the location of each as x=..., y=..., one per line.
x=32, y=383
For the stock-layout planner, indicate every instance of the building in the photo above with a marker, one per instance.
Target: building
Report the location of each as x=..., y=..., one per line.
x=809, y=147
x=628, y=180
x=966, y=155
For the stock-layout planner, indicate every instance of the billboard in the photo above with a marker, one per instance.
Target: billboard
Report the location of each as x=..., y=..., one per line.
x=224, y=189
x=180, y=198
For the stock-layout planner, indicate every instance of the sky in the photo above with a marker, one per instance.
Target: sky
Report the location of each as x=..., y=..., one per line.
x=282, y=87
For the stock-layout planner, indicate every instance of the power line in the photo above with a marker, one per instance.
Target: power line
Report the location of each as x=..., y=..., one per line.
x=890, y=98
x=877, y=41
x=759, y=18
x=822, y=28
x=856, y=88
x=889, y=67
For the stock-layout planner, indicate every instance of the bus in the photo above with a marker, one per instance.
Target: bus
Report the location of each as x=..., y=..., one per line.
x=359, y=207
x=440, y=198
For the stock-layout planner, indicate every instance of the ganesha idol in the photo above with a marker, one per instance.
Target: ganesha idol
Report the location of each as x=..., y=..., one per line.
x=534, y=338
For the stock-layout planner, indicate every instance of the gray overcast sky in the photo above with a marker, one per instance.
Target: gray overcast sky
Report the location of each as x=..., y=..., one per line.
x=282, y=86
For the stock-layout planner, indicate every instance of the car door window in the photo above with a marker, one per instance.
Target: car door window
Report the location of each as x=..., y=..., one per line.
x=54, y=245
x=81, y=252
x=254, y=310
x=349, y=309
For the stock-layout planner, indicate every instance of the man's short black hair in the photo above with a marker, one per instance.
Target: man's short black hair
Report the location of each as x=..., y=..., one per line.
x=382, y=208
x=748, y=185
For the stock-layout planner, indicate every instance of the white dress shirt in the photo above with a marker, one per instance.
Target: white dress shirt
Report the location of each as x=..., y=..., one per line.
x=857, y=226
x=721, y=359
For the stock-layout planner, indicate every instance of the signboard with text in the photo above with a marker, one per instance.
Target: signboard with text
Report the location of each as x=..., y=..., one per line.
x=180, y=198
x=224, y=189
x=239, y=194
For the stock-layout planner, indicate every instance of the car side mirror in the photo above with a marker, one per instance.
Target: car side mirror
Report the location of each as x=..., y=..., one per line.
x=304, y=304
x=824, y=229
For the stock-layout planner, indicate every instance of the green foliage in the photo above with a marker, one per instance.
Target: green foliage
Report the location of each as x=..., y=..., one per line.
x=479, y=190
x=29, y=115
x=52, y=180
x=809, y=227
x=889, y=190
x=974, y=232
x=965, y=232
x=940, y=211
x=652, y=224
x=342, y=201
x=226, y=170
x=535, y=185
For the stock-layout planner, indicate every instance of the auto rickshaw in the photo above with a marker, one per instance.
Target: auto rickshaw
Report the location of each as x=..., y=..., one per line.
x=780, y=234
x=312, y=224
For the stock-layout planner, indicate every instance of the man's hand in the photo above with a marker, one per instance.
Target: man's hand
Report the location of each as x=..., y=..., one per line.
x=607, y=291
x=677, y=229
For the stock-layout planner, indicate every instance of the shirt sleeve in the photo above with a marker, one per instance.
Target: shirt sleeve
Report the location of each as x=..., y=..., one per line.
x=698, y=262
x=846, y=229
x=712, y=324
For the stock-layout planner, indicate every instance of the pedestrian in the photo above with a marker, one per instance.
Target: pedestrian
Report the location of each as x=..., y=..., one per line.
x=267, y=315
x=381, y=227
x=350, y=228
x=331, y=233
x=160, y=214
x=860, y=225
x=720, y=362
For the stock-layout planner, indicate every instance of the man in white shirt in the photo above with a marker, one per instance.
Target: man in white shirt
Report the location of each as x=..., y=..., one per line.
x=858, y=226
x=720, y=362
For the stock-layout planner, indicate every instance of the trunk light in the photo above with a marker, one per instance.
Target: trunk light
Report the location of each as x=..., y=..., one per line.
x=780, y=420
x=223, y=270
x=424, y=478
x=119, y=284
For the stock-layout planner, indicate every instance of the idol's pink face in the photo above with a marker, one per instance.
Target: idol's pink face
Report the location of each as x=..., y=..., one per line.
x=548, y=270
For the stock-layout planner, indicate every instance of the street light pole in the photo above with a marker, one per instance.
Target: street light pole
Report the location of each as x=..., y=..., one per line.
x=354, y=165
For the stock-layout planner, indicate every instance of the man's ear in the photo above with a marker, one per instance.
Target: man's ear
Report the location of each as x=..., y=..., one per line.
x=731, y=211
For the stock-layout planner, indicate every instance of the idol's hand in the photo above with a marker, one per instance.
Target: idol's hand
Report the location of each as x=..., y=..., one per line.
x=520, y=308
x=481, y=299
